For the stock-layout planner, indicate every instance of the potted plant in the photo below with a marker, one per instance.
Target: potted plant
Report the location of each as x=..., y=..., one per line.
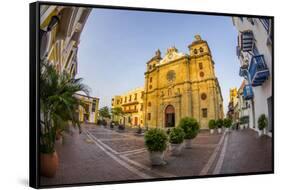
x=176, y=138
x=156, y=142
x=191, y=128
x=112, y=124
x=104, y=114
x=219, y=124
x=58, y=107
x=227, y=122
x=212, y=125
x=243, y=121
x=262, y=124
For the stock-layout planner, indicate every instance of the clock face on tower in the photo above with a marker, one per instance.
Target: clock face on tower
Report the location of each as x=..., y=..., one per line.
x=171, y=75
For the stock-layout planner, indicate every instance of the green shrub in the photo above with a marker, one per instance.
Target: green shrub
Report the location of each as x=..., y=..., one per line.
x=219, y=123
x=212, y=124
x=262, y=122
x=227, y=122
x=190, y=127
x=156, y=140
x=176, y=135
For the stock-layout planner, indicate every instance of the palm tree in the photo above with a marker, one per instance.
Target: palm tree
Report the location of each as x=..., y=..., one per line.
x=58, y=104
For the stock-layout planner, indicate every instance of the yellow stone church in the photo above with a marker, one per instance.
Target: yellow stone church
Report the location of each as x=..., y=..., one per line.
x=178, y=85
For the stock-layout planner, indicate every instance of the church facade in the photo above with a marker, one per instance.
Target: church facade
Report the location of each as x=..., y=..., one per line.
x=180, y=85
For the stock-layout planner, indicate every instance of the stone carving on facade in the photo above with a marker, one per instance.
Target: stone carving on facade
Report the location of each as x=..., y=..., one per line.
x=158, y=54
x=198, y=37
x=171, y=55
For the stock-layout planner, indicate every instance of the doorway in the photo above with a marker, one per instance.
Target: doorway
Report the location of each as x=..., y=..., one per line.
x=170, y=116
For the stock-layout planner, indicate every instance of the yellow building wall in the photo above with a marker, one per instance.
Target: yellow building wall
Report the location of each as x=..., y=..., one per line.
x=132, y=109
x=87, y=101
x=184, y=92
x=177, y=80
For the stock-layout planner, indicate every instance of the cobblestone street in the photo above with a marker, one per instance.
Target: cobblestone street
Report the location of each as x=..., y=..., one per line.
x=101, y=154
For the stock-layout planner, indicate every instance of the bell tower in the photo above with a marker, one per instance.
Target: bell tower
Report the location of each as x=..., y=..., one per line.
x=151, y=64
x=206, y=92
x=201, y=62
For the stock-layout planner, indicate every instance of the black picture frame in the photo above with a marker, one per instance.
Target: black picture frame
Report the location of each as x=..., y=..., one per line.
x=34, y=104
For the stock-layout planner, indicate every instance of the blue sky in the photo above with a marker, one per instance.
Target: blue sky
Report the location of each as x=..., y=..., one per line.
x=116, y=44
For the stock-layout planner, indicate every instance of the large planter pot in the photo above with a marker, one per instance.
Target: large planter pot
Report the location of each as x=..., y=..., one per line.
x=260, y=133
x=219, y=130
x=176, y=149
x=241, y=127
x=227, y=130
x=264, y=131
x=49, y=164
x=187, y=143
x=212, y=131
x=157, y=158
x=59, y=138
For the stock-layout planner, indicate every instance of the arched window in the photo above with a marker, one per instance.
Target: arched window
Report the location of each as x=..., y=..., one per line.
x=195, y=51
x=201, y=49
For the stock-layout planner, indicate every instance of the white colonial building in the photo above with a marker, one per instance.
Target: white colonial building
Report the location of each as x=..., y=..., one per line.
x=244, y=110
x=254, y=51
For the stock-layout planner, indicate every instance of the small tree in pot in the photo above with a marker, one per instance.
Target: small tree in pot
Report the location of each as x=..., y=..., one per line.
x=190, y=127
x=243, y=122
x=156, y=142
x=227, y=122
x=112, y=124
x=58, y=107
x=219, y=123
x=104, y=114
x=262, y=124
x=212, y=125
x=176, y=138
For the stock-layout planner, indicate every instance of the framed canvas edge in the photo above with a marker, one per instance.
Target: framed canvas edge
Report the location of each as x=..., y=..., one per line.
x=34, y=106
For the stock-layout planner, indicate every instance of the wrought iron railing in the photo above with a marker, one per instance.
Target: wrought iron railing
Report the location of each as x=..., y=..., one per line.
x=258, y=70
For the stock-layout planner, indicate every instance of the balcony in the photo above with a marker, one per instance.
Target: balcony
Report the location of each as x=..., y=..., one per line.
x=131, y=111
x=130, y=103
x=258, y=70
x=243, y=72
x=248, y=92
x=247, y=41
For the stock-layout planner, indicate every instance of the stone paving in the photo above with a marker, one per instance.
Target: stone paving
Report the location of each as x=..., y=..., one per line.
x=100, y=154
x=246, y=152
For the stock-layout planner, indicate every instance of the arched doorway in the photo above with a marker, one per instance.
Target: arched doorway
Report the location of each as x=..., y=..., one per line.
x=170, y=116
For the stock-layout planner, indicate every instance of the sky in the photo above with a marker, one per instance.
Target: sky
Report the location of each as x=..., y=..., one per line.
x=116, y=44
